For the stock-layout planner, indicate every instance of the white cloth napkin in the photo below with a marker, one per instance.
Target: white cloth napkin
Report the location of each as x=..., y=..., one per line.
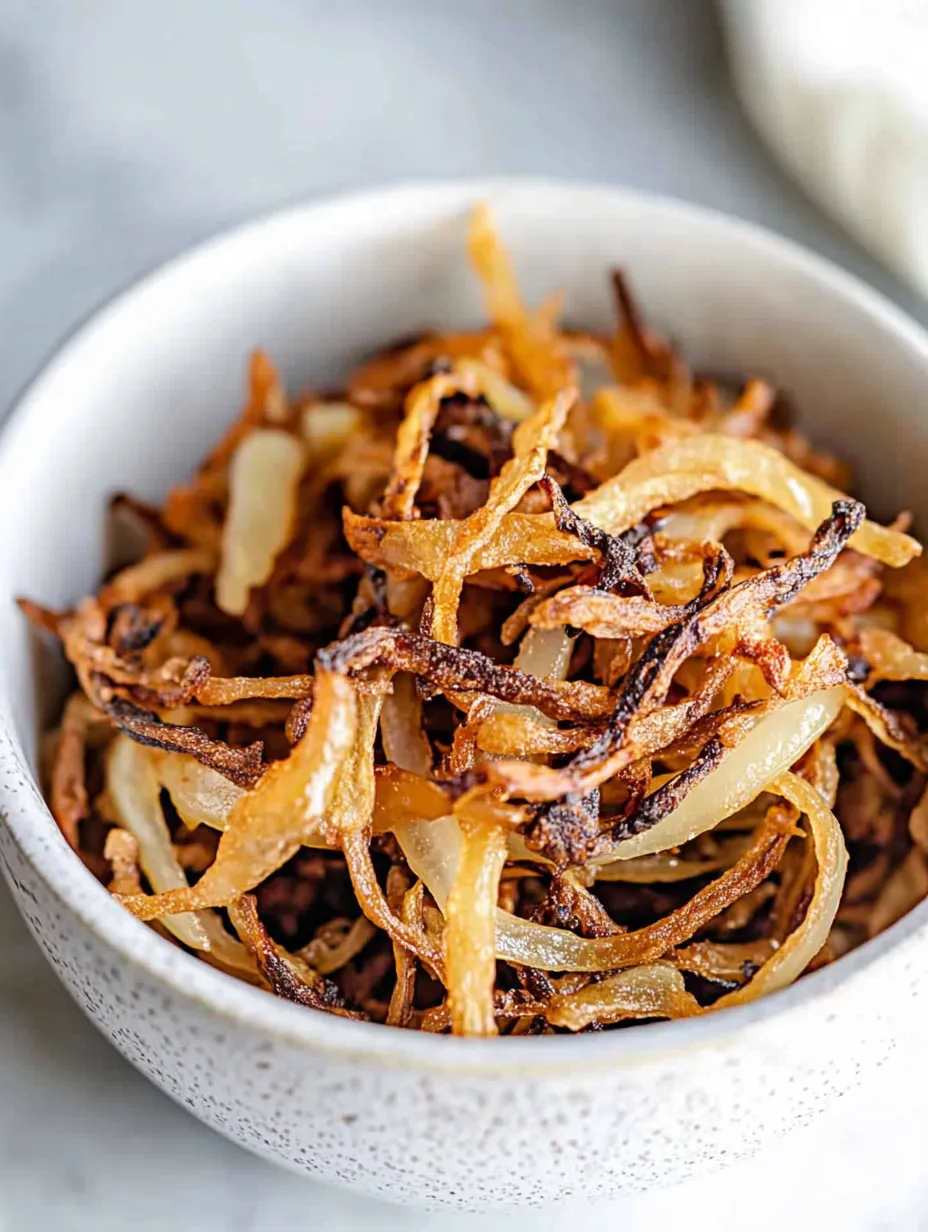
x=839, y=90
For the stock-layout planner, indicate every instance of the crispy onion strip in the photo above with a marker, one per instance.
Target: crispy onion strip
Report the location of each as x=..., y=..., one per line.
x=534, y=346
x=456, y=670
x=423, y=547
x=674, y=472
x=907, y=885
x=356, y=847
x=399, y=1011
x=68, y=786
x=890, y=658
x=325, y=955
x=469, y=938
x=649, y=680
x=531, y=441
x=413, y=436
x=602, y=614
x=133, y=792
x=132, y=584
x=121, y=849
x=286, y=974
x=536, y=945
x=774, y=744
x=264, y=478
x=289, y=806
x=521, y=735
x=654, y=990
x=682, y=468
x=723, y=960
x=891, y=727
x=226, y=690
x=241, y=765
x=788, y=962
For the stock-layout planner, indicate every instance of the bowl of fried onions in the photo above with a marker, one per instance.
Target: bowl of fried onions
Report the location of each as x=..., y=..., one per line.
x=479, y=755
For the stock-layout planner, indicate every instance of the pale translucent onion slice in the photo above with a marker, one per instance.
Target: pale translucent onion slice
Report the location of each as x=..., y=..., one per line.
x=890, y=658
x=327, y=427
x=264, y=477
x=654, y=990
x=506, y=399
x=433, y=852
x=469, y=938
x=682, y=468
x=777, y=741
x=201, y=795
x=788, y=962
x=134, y=793
x=544, y=653
x=664, y=866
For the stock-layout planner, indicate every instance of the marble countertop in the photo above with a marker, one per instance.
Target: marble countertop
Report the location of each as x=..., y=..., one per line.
x=129, y=131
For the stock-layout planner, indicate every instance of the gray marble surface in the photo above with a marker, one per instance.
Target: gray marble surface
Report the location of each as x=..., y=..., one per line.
x=130, y=129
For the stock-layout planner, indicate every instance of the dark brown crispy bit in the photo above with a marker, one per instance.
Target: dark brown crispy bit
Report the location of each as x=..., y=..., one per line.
x=663, y=801
x=620, y=553
x=454, y=669
x=287, y=977
x=469, y=432
x=569, y=905
x=131, y=629
x=566, y=831
x=649, y=679
x=243, y=766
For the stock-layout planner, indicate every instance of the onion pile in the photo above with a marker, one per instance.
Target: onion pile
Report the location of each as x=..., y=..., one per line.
x=532, y=684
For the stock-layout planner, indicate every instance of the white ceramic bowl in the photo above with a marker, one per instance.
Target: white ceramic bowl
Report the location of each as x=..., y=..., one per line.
x=143, y=389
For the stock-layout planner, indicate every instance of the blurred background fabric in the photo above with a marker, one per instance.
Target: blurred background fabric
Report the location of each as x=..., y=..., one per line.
x=839, y=90
x=130, y=129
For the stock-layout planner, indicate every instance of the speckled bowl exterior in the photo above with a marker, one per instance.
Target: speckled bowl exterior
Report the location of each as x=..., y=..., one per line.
x=139, y=392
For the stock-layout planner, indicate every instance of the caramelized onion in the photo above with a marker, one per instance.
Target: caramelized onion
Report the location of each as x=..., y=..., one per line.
x=312, y=658
x=200, y=795
x=288, y=807
x=531, y=442
x=655, y=990
x=134, y=794
x=704, y=463
x=264, y=477
x=470, y=925
x=801, y=946
x=774, y=744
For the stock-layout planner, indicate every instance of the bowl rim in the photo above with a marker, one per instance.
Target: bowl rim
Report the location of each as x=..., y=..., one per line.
x=24, y=812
